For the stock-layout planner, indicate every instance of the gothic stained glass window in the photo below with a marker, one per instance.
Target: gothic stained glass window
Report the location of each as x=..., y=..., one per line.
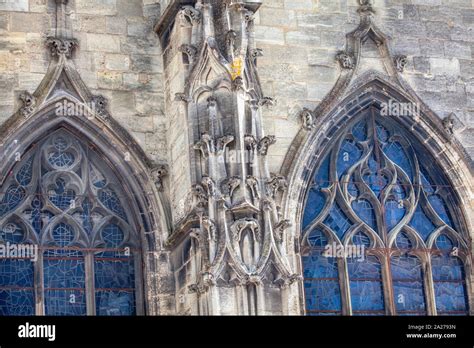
x=63, y=198
x=449, y=279
x=321, y=276
x=378, y=179
x=16, y=276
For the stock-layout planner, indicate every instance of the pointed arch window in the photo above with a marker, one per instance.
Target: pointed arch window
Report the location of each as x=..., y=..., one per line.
x=63, y=198
x=379, y=188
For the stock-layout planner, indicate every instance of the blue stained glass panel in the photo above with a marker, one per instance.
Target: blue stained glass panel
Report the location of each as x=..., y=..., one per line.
x=65, y=302
x=17, y=302
x=338, y=221
x=110, y=199
x=365, y=212
x=12, y=233
x=25, y=174
x=314, y=206
x=394, y=213
x=360, y=130
x=421, y=223
x=449, y=284
x=317, y=239
x=407, y=277
x=439, y=206
x=348, y=155
x=366, y=285
x=403, y=241
x=14, y=195
x=115, y=303
x=397, y=154
x=61, y=197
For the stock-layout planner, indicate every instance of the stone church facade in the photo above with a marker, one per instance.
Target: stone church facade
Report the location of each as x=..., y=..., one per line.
x=207, y=152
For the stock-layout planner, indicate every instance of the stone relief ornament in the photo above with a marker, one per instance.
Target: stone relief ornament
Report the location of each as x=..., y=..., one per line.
x=401, y=63
x=60, y=46
x=29, y=103
x=346, y=60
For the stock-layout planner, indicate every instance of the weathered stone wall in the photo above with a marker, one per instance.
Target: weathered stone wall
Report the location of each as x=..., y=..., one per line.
x=119, y=56
x=300, y=39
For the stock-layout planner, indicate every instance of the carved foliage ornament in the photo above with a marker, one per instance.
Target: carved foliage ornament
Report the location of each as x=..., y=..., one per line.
x=60, y=47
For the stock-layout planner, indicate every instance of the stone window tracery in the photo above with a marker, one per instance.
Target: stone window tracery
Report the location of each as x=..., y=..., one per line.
x=379, y=189
x=64, y=198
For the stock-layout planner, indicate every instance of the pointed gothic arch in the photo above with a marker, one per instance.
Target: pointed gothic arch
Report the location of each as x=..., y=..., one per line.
x=437, y=153
x=134, y=211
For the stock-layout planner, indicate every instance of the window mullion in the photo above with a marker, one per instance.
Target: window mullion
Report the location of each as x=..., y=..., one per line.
x=90, y=291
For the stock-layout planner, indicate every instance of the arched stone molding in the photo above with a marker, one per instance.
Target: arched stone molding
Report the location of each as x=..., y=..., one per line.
x=45, y=111
x=358, y=88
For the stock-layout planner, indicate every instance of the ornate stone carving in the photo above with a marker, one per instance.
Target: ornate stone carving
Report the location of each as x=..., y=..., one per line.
x=199, y=193
x=210, y=227
x=60, y=46
x=242, y=224
x=267, y=101
x=252, y=183
x=448, y=124
x=307, y=118
x=29, y=103
x=401, y=62
x=366, y=6
x=346, y=60
x=101, y=105
x=255, y=53
x=276, y=183
x=159, y=173
x=192, y=14
x=265, y=143
x=250, y=142
x=190, y=51
x=231, y=184
x=208, y=145
x=209, y=185
x=280, y=228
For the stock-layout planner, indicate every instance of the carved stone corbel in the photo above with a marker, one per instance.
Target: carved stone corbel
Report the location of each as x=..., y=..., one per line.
x=448, y=123
x=280, y=228
x=401, y=63
x=255, y=54
x=223, y=142
x=346, y=60
x=252, y=183
x=29, y=103
x=192, y=14
x=210, y=186
x=267, y=101
x=265, y=143
x=60, y=46
x=230, y=185
x=307, y=118
x=158, y=174
x=242, y=224
x=275, y=184
x=190, y=51
x=366, y=7
x=101, y=104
